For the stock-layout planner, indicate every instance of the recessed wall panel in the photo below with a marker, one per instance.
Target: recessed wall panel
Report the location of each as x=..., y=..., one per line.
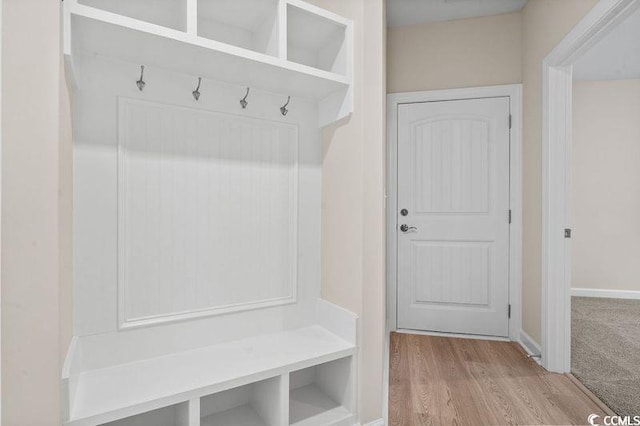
x=207, y=213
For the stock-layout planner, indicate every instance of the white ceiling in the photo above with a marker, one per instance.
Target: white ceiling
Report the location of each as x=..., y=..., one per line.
x=616, y=57
x=410, y=12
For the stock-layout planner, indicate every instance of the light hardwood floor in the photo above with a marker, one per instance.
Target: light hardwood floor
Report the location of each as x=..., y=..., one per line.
x=449, y=381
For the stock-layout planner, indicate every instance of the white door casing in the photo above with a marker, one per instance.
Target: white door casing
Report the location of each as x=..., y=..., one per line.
x=556, y=175
x=1, y=7
x=453, y=180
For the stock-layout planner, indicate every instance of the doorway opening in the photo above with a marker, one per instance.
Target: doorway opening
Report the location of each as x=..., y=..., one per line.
x=590, y=192
x=558, y=69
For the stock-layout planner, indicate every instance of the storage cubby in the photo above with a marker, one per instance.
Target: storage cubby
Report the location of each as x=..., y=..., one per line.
x=250, y=24
x=323, y=394
x=255, y=404
x=175, y=415
x=316, y=40
x=167, y=13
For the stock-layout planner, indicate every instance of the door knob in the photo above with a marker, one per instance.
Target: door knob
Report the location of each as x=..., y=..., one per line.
x=407, y=228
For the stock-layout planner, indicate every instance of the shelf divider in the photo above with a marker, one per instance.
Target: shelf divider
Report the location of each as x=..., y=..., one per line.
x=282, y=29
x=192, y=17
x=284, y=401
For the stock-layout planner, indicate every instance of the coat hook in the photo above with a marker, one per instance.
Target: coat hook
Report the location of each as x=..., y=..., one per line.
x=196, y=93
x=243, y=101
x=284, y=109
x=140, y=83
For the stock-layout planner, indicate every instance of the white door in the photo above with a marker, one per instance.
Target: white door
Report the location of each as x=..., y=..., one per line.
x=453, y=216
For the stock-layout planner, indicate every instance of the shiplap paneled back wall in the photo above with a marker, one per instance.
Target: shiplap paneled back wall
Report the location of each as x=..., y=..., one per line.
x=207, y=212
x=252, y=205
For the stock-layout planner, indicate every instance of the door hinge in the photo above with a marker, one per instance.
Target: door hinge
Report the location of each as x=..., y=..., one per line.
x=510, y=120
x=567, y=233
x=509, y=216
x=509, y=311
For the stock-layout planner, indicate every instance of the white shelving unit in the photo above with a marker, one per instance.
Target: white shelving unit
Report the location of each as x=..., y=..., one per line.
x=175, y=415
x=166, y=13
x=317, y=41
x=256, y=404
x=300, y=377
x=322, y=394
x=280, y=46
x=249, y=24
x=255, y=362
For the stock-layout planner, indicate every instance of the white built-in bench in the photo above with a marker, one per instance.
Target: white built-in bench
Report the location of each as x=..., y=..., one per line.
x=298, y=377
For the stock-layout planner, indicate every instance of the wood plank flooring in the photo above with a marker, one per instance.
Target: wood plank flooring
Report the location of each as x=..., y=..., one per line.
x=449, y=381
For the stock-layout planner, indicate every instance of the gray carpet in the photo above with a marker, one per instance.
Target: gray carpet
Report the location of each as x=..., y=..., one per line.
x=605, y=350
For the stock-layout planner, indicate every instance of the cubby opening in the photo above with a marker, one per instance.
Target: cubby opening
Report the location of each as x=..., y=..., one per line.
x=167, y=13
x=316, y=41
x=256, y=404
x=323, y=394
x=250, y=24
x=175, y=415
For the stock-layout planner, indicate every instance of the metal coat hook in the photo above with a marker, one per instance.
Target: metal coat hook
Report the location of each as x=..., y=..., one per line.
x=196, y=93
x=243, y=101
x=284, y=109
x=140, y=83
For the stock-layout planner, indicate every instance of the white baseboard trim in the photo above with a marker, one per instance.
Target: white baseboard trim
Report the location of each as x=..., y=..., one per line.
x=612, y=294
x=379, y=422
x=530, y=346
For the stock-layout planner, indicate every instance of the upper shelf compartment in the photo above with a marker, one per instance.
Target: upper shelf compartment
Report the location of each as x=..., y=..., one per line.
x=264, y=44
x=167, y=13
x=250, y=24
x=317, y=39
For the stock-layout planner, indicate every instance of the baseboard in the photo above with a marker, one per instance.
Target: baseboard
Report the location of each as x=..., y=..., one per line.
x=530, y=346
x=611, y=294
x=379, y=422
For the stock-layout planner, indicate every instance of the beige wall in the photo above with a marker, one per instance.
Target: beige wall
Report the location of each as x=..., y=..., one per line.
x=353, y=228
x=373, y=210
x=544, y=24
x=463, y=53
x=606, y=185
x=31, y=314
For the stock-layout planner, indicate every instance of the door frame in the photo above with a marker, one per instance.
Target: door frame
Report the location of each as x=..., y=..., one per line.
x=1, y=149
x=394, y=100
x=556, y=175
